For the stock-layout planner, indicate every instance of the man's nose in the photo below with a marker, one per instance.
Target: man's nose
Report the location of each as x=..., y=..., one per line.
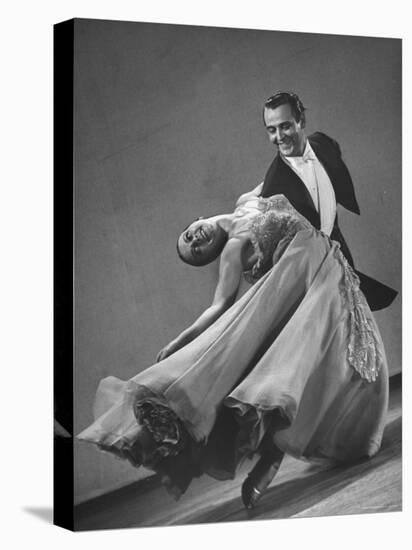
x=279, y=135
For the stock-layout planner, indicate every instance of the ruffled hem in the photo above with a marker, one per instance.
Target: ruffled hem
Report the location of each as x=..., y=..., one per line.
x=163, y=445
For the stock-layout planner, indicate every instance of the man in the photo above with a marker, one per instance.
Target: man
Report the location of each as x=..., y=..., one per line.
x=310, y=172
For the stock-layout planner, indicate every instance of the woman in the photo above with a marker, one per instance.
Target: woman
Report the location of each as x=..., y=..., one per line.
x=296, y=365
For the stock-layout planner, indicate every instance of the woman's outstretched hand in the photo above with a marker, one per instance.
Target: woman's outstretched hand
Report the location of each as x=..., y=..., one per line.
x=166, y=351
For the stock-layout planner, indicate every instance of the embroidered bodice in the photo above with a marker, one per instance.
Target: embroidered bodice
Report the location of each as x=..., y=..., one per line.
x=270, y=224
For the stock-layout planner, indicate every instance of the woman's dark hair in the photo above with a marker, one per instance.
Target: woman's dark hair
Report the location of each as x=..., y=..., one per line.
x=287, y=98
x=207, y=258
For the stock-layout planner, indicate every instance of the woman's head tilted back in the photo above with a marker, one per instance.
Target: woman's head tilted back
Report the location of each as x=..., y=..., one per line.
x=201, y=242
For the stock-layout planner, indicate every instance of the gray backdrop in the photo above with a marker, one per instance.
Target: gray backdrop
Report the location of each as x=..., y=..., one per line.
x=168, y=127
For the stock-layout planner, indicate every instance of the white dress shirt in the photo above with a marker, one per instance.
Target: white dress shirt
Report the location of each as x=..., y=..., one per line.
x=317, y=181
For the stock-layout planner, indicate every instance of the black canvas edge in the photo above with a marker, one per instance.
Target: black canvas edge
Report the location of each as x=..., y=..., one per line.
x=63, y=460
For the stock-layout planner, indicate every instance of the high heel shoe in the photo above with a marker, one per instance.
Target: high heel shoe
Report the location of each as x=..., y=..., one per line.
x=250, y=495
x=259, y=479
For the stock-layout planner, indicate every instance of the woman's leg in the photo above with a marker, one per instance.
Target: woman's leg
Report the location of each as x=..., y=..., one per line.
x=262, y=474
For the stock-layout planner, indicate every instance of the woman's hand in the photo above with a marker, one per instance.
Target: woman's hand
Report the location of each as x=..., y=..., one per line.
x=166, y=351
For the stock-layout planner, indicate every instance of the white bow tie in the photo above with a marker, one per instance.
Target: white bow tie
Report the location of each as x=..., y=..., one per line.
x=307, y=157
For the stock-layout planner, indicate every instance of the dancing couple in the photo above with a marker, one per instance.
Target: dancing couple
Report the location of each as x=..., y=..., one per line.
x=296, y=365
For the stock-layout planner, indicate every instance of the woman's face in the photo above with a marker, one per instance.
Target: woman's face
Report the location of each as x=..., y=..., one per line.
x=198, y=243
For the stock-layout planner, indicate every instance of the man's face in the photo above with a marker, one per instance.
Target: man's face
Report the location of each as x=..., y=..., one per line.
x=284, y=132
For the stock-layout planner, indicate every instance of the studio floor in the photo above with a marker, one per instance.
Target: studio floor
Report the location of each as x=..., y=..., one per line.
x=299, y=490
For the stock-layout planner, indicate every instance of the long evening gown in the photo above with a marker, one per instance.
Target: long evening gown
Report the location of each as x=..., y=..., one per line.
x=297, y=360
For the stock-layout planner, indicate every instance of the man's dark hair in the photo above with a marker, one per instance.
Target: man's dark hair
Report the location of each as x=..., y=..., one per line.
x=287, y=98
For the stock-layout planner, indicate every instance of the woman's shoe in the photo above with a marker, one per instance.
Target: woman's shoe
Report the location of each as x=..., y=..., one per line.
x=259, y=479
x=250, y=495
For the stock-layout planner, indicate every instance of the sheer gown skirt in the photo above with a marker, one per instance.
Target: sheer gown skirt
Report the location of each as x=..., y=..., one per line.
x=298, y=359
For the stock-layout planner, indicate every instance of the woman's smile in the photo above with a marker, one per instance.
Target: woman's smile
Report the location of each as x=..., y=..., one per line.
x=204, y=234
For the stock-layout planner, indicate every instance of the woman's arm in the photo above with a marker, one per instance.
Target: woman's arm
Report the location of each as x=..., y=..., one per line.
x=258, y=189
x=230, y=271
x=254, y=193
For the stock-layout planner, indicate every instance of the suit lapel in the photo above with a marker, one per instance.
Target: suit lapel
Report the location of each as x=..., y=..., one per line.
x=326, y=161
x=295, y=190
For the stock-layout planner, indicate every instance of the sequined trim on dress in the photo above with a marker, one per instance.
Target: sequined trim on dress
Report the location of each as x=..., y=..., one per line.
x=363, y=348
x=272, y=230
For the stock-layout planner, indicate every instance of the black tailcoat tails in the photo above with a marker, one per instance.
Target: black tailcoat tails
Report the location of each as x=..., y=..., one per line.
x=281, y=179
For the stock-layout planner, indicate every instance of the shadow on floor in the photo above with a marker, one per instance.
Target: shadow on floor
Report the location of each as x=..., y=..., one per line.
x=294, y=496
x=45, y=514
